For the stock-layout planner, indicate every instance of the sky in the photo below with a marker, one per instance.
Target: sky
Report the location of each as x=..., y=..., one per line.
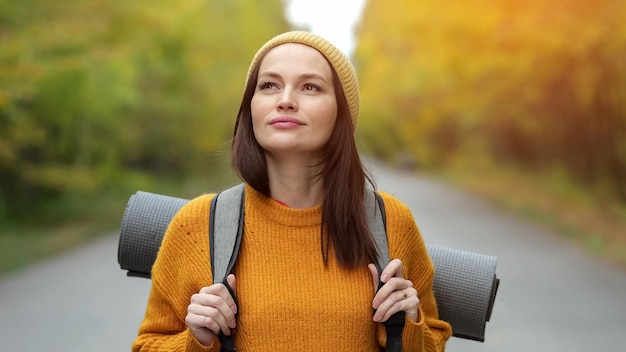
x=331, y=19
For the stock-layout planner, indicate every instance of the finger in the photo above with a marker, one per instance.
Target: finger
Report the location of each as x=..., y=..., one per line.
x=215, y=289
x=221, y=291
x=381, y=308
x=232, y=282
x=399, y=300
x=220, y=299
x=394, y=304
x=208, y=317
x=217, y=322
x=226, y=309
x=389, y=276
x=393, y=269
x=374, y=273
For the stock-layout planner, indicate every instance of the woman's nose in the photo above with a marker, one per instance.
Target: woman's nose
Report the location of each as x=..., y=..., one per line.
x=287, y=101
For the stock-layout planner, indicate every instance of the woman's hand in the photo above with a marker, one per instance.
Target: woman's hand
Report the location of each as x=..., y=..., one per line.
x=212, y=310
x=397, y=294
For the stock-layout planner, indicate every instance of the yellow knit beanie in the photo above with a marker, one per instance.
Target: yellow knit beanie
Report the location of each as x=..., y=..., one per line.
x=338, y=60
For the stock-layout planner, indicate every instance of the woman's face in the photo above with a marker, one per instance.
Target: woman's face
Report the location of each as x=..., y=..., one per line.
x=294, y=108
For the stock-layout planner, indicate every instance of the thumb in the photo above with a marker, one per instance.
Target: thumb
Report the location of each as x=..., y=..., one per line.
x=374, y=272
x=232, y=282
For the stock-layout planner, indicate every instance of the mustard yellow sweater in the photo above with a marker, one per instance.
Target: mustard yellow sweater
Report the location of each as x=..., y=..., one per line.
x=288, y=299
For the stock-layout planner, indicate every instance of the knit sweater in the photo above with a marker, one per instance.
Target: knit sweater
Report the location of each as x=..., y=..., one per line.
x=288, y=299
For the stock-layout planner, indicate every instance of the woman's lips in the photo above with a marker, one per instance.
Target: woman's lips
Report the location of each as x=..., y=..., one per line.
x=284, y=122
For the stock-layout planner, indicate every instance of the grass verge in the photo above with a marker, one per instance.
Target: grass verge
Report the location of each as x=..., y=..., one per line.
x=86, y=217
x=24, y=243
x=592, y=218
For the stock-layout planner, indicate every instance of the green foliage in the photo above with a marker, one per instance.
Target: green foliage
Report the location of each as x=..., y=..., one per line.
x=96, y=95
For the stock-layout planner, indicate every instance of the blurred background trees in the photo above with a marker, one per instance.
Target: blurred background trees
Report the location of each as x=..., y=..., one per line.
x=537, y=84
x=98, y=95
x=100, y=98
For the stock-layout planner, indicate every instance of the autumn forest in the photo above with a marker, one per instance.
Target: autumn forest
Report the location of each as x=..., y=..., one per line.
x=106, y=97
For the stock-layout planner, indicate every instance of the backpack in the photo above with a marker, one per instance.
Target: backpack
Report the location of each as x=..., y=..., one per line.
x=465, y=283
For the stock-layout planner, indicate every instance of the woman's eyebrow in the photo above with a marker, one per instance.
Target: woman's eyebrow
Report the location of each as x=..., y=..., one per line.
x=271, y=74
x=313, y=76
x=304, y=76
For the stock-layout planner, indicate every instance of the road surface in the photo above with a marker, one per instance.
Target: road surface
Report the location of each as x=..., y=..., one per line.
x=552, y=297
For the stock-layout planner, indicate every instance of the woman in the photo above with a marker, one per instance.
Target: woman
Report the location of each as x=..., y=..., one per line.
x=304, y=277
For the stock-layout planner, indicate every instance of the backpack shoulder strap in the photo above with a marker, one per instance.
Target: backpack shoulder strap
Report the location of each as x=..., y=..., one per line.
x=377, y=221
x=226, y=219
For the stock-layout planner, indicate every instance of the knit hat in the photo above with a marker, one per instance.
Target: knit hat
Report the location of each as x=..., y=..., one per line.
x=338, y=60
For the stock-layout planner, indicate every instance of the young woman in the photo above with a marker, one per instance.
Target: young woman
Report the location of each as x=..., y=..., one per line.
x=304, y=277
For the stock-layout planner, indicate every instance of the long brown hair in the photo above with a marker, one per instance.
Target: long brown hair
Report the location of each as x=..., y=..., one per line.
x=344, y=221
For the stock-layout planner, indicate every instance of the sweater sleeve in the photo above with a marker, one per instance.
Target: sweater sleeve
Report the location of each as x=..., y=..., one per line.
x=182, y=268
x=428, y=334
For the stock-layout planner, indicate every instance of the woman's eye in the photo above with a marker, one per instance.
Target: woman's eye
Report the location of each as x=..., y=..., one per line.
x=267, y=85
x=311, y=87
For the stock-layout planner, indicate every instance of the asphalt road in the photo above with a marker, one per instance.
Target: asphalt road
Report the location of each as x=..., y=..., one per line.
x=552, y=297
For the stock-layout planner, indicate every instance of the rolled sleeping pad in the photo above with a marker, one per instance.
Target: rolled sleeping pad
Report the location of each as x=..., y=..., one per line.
x=465, y=283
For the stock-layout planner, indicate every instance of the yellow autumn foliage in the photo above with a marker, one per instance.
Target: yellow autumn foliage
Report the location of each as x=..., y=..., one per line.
x=535, y=83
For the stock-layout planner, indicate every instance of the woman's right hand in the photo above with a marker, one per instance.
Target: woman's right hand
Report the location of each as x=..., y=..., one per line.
x=212, y=310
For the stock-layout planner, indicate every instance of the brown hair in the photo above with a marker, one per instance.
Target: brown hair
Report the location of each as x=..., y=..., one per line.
x=344, y=220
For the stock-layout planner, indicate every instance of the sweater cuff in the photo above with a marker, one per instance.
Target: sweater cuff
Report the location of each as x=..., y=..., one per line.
x=412, y=333
x=193, y=345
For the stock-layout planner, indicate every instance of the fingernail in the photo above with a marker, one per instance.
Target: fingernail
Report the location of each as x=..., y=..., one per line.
x=384, y=277
x=233, y=308
x=232, y=324
x=376, y=304
x=377, y=317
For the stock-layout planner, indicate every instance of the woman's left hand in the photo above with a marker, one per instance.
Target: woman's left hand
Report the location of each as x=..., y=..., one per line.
x=397, y=294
